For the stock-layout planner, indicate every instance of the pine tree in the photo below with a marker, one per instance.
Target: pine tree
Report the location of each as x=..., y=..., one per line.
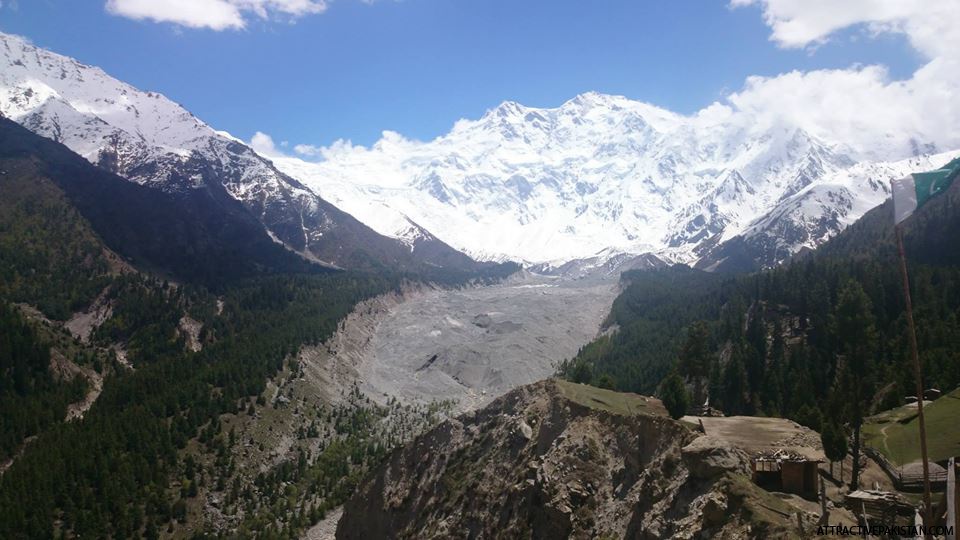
x=694, y=360
x=856, y=337
x=771, y=389
x=715, y=385
x=673, y=393
x=735, y=388
x=834, y=443
x=581, y=372
x=606, y=381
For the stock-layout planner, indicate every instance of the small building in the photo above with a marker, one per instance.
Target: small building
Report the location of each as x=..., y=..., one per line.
x=930, y=394
x=880, y=506
x=789, y=472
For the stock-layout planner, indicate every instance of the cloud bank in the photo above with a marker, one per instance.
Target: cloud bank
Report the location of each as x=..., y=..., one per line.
x=214, y=14
x=860, y=107
x=800, y=23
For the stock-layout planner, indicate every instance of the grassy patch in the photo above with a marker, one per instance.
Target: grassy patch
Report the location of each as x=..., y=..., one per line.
x=896, y=433
x=607, y=400
x=767, y=514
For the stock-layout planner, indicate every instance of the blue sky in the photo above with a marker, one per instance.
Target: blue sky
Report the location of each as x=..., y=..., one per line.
x=416, y=66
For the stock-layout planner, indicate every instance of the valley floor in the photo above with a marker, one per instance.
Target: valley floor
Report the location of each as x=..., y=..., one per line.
x=441, y=351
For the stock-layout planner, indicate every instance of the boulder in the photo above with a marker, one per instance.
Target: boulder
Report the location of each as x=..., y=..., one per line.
x=525, y=430
x=708, y=457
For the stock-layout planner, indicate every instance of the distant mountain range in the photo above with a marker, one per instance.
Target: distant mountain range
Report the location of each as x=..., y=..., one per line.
x=604, y=174
x=597, y=178
x=154, y=142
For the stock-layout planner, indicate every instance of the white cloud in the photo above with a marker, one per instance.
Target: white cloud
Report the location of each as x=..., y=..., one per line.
x=263, y=144
x=266, y=9
x=929, y=24
x=338, y=148
x=213, y=14
x=308, y=150
x=862, y=106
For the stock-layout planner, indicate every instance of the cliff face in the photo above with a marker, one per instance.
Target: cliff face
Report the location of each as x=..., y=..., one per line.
x=560, y=460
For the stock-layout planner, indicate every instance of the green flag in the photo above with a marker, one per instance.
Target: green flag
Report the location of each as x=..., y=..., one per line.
x=912, y=192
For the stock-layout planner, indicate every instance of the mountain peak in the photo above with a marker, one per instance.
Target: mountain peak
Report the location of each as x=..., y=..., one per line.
x=592, y=99
x=152, y=141
x=599, y=171
x=506, y=109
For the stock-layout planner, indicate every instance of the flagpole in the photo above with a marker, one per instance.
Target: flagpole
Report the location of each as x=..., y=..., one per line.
x=918, y=374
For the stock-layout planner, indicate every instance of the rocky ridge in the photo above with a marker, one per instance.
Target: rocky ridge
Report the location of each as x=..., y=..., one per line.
x=560, y=460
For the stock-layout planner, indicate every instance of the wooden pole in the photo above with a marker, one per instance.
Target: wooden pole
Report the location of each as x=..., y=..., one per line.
x=824, y=513
x=918, y=375
x=951, y=500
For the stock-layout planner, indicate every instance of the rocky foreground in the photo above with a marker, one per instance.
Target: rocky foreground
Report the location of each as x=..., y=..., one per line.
x=561, y=460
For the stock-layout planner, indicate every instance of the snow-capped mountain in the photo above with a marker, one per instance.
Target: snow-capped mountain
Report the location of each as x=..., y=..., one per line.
x=606, y=174
x=150, y=140
x=595, y=179
x=814, y=214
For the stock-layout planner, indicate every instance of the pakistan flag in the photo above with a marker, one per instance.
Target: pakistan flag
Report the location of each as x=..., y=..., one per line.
x=912, y=192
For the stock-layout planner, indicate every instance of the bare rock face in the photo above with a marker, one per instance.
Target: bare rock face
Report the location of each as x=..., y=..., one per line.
x=545, y=462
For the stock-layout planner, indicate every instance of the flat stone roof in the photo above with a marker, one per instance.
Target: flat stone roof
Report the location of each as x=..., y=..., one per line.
x=755, y=435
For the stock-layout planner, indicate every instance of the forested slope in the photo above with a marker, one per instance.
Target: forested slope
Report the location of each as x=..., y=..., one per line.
x=31, y=397
x=73, y=237
x=797, y=339
x=204, y=239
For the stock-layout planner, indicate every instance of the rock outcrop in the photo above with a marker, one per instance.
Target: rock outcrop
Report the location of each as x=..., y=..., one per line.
x=559, y=460
x=709, y=457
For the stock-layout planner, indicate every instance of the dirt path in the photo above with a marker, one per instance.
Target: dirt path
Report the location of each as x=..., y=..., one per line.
x=883, y=431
